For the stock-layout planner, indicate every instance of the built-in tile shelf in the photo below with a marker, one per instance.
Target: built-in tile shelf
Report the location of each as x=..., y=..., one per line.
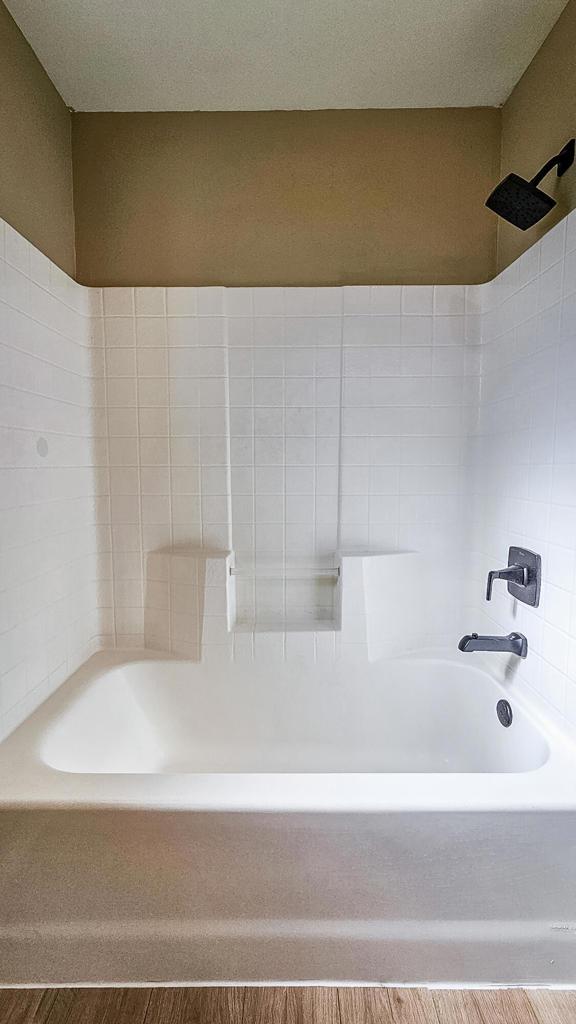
x=191, y=599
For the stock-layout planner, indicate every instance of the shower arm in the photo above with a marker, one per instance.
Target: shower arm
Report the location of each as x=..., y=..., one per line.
x=563, y=160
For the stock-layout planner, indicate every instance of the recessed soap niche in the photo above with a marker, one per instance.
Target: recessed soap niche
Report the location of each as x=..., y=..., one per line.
x=279, y=598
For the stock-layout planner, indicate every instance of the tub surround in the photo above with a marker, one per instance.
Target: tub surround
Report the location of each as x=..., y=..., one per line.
x=291, y=427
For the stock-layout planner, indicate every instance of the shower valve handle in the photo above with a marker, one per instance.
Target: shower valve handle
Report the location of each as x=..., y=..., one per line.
x=522, y=574
x=517, y=574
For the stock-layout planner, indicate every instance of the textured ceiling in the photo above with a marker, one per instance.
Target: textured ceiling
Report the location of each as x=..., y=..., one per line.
x=284, y=54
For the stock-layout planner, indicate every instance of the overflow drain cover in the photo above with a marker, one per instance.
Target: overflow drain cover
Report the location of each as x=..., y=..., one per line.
x=504, y=712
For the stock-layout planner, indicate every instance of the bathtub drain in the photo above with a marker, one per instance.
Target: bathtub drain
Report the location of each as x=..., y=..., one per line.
x=504, y=712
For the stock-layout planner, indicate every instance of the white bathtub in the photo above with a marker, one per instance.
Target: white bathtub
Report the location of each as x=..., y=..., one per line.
x=168, y=821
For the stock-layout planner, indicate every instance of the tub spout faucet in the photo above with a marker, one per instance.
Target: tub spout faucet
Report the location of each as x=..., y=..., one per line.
x=514, y=643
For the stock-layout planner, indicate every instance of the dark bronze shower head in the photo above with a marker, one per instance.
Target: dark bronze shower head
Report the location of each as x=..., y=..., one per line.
x=521, y=202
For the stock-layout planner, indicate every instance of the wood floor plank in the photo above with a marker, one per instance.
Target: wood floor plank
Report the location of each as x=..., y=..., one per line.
x=265, y=1006
x=195, y=1006
x=317, y=1005
x=455, y=1006
x=312, y=1006
x=99, y=1006
x=364, y=1006
x=504, y=1006
x=25, y=1006
x=412, y=1006
x=553, y=1007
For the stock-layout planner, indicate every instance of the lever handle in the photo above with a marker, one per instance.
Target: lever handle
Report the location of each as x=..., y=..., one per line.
x=517, y=574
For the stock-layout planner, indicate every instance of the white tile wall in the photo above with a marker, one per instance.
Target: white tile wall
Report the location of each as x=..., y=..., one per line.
x=53, y=550
x=289, y=425
x=168, y=438
x=410, y=389
x=285, y=353
x=524, y=459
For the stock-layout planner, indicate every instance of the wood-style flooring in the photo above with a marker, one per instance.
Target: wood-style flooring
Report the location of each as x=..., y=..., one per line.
x=285, y=1006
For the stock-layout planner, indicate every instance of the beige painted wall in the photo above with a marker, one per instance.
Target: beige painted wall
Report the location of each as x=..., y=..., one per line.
x=291, y=197
x=285, y=197
x=35, y=150
x=537, y=119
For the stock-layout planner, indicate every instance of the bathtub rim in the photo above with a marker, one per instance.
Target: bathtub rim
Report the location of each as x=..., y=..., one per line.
x=27, y=782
